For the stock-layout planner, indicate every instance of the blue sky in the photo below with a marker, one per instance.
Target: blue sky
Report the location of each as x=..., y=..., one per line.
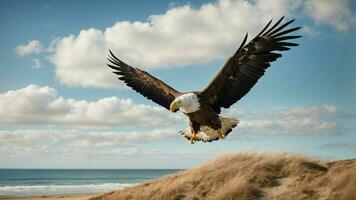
x=62, y=108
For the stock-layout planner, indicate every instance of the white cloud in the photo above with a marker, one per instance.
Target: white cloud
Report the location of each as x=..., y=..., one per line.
x=81, y=60
x=82, y=137
x=341, y=145
x=42, y=105
x=83, y=143
x=293, y=120
x=281, y=126
x=36, y=63
x=310, y=31
x=32, y=47
x=336, y=13
x=180, y=36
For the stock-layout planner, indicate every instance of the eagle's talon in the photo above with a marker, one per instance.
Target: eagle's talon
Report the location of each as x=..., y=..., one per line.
x=221, y=134
x=193, y=138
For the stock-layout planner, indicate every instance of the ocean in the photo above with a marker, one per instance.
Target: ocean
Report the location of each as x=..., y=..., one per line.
x=42, y=182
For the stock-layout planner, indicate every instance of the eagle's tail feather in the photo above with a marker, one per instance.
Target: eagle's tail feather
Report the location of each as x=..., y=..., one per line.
x=228, y=124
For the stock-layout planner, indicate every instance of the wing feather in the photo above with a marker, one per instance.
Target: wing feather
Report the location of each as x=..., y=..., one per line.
x=143, y=82
x=241, y=71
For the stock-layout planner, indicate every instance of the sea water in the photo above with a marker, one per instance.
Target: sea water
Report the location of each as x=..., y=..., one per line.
x=41, y=182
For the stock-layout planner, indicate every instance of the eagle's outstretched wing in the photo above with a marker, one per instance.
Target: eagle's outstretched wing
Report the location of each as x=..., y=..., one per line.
x=247, y=65
x=143, y=82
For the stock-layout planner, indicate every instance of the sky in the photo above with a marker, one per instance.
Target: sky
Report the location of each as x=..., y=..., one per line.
x=61, y=107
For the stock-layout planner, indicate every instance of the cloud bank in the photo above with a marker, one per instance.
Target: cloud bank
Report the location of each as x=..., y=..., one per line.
x=85, y=144
x=294, y=120
x=42, y=105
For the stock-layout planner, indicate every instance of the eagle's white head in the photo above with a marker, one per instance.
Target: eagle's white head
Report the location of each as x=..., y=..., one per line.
x=187, y=103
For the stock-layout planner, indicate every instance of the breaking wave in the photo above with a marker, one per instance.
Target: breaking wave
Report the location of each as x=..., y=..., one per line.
x=40, y=190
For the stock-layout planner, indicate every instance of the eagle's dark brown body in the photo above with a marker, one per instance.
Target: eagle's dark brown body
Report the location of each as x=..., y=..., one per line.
x=205, y=116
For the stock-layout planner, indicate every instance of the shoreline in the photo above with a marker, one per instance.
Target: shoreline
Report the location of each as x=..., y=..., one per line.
x=53, y=197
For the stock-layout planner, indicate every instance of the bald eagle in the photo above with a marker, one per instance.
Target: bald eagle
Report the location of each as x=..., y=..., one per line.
x=235, y=79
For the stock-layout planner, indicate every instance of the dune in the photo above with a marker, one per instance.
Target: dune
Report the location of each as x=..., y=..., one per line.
x=251, y=176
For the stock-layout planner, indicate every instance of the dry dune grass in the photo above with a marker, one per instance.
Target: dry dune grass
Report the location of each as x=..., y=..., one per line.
x=251, y=176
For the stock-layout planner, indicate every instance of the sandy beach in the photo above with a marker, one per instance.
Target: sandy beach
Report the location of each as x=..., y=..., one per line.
x=55, y=197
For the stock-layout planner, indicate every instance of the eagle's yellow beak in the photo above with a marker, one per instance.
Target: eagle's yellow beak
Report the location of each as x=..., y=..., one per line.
x=174, y=106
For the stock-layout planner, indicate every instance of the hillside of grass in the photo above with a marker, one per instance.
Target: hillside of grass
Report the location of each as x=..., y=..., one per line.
x=251, y=176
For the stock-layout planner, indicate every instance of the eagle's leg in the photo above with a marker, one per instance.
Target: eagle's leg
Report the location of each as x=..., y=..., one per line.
x=221, y=133
x=193, y=137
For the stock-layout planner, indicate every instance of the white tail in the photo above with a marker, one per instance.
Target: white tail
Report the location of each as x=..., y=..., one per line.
x=228, y=124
